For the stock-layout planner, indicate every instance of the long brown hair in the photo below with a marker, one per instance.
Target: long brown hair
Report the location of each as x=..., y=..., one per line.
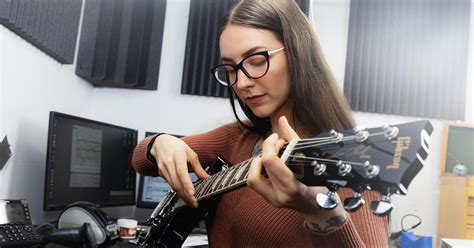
x=318, y=104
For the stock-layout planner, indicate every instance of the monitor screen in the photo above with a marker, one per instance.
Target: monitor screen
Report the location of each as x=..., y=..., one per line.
x=152, y=189
x=88, y=161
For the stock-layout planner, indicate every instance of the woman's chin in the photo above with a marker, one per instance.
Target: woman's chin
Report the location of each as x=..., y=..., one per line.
x=260, y=114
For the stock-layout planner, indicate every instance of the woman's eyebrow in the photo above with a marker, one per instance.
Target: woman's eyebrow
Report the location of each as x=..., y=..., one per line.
x=246, y=53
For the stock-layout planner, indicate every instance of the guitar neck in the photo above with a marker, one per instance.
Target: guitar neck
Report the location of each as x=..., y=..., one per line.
x=232, y=178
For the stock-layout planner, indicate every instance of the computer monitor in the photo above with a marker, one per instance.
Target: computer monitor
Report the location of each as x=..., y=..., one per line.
x=88, y=161
x=152, y=189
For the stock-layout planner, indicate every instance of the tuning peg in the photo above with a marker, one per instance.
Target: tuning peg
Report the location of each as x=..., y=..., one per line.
x=353, y=203
x=328, y=201
x=382, y=207
x=344, y=168
x=361, y=134
x=371, y=170
x=319, y=168
x=390, y=131
x=336, y=137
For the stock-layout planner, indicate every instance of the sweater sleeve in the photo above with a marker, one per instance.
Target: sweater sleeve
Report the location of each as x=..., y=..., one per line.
x=206, y=145
x=140, y=162
x=361, y=229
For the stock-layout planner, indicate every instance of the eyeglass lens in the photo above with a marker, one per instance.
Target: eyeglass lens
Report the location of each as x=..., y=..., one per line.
x=254, y=66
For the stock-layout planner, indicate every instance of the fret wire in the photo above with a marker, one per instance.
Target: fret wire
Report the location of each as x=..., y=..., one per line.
x=197, y=187
x=236, y=170
x=242, y=171
x=239, y=172
x=200, y=188
x=217, y=182
x=246, y=173
x=206, y=185
x=245, y=170
x=230, y=175
x=226, y=178
x=209, y=184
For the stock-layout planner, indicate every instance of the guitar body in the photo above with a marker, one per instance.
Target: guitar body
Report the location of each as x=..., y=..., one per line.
x=170, y=226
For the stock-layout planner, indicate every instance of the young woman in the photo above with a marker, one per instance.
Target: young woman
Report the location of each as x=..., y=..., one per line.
x=272, y=63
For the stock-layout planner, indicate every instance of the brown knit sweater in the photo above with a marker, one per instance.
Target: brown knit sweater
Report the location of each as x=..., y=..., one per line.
x=244, y=219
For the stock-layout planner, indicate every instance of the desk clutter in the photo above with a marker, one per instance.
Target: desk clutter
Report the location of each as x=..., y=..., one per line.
x=81, y=224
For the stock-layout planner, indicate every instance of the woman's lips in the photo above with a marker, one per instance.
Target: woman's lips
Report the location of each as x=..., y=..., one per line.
x=255, y=100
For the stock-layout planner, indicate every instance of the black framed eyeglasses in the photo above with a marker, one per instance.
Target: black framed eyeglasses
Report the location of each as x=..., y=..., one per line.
x=253, y=66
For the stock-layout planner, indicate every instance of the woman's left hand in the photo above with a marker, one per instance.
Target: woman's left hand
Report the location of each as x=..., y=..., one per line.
x=281, y=188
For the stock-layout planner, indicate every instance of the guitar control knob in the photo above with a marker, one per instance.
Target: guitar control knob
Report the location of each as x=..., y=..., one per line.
x=390, y=132
x=382, y=207
x=319, y=169
x=344, y=168
x=353, y=203
x=371, y=170
x=361, y=134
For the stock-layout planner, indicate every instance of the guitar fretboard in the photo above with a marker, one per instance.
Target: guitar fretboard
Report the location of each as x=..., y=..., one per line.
x=223, y=181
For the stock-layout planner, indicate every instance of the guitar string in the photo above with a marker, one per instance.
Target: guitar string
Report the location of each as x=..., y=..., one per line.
x=307, y=143
x=329, y=137
x=305, y=159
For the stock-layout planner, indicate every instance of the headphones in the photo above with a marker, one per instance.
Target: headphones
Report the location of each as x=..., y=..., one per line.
x=78, y=213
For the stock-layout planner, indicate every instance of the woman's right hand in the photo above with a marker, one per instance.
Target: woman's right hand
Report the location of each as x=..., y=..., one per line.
x=172, y=156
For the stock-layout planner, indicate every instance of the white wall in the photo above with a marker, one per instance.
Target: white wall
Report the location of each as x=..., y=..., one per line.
x=32, y=84
x=2, y=134
x=470, y=71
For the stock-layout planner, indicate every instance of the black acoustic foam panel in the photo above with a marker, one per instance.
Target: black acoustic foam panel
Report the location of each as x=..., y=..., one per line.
x=408, y=57
x=50, y=25
x=120, y=44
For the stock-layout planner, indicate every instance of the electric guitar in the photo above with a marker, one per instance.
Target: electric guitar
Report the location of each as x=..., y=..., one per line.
x=384, y=159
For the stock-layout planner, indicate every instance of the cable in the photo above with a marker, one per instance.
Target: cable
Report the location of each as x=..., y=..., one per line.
x=396, y=235
x=414, y=226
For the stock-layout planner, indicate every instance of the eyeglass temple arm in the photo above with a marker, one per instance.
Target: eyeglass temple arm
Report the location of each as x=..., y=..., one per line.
x=276, y=50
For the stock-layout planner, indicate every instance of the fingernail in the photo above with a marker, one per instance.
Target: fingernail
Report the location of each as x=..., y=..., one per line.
x=190, y=192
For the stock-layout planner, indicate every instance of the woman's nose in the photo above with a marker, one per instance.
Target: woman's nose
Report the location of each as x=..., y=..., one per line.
x=243, y=81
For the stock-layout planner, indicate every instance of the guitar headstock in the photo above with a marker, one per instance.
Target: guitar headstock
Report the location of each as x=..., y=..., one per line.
x=384, y=159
